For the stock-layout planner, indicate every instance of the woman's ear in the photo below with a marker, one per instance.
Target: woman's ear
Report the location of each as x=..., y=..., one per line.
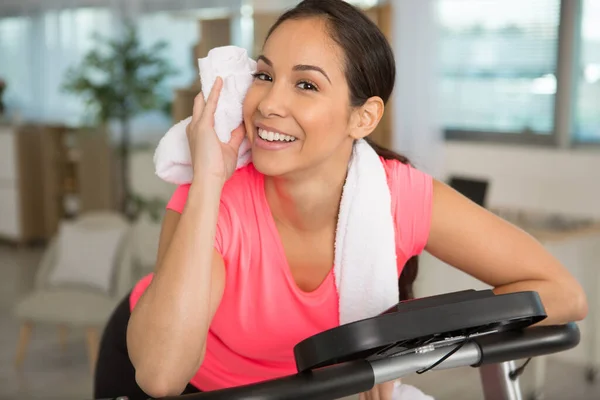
x=366, y=117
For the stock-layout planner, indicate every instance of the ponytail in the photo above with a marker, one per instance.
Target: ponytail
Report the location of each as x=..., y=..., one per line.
x=411, y=268
x=387, y=154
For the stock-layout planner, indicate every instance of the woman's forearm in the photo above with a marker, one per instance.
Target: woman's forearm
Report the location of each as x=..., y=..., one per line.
x=563, y=303
x=168, y=327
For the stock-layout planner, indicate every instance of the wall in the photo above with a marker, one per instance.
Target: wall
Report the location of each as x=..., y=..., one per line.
x=564, y=181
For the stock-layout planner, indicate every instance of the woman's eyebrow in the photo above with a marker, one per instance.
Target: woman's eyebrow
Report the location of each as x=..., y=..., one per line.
x=265, y=60
x=304, y=67
x=300, y=67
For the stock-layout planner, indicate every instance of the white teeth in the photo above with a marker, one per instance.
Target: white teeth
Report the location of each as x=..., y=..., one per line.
x=275, y=136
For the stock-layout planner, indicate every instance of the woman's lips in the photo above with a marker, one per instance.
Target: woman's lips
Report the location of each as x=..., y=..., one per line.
x=270, y=140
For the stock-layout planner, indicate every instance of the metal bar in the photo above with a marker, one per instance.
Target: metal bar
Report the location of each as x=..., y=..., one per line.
x=537, y=369
x=391, y=368
x=497, y=384
x=590, y=253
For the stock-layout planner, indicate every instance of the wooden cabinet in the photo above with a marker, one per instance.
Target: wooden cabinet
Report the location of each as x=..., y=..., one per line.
x=39, y=171
x=95, y=172
x=183, y=103
x=10, y=226
x=20, y=184
x=262, y=24
x=213, y=33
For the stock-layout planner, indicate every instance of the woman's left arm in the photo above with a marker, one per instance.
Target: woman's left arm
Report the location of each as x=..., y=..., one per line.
x=501, y=255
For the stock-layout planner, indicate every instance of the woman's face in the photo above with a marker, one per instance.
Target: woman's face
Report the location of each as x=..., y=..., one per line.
x=297, y=111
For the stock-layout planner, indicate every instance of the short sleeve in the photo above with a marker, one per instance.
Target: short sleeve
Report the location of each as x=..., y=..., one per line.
x=177, y=203
x=412, y=198
x=179, y=198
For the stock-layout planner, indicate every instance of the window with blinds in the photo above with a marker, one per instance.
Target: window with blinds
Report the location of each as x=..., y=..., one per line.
x=498, y=65
x=587, y=114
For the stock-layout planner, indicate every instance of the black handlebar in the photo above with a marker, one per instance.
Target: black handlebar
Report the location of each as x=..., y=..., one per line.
x=531, y=342
x=358, y=376
x=328, y=383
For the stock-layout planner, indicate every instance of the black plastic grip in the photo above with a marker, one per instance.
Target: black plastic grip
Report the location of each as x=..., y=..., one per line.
x=320, y=384
x=526, y=343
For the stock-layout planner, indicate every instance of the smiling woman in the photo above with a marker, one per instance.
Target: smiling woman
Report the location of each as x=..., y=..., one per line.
x=244, y=268
x=295, y=94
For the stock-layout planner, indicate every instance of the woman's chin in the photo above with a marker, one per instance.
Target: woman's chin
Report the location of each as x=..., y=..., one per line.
x=266, y=167
x=270, y=166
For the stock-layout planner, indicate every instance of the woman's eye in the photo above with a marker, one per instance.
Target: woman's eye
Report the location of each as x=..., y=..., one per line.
x=307, y=86
x=261, y=76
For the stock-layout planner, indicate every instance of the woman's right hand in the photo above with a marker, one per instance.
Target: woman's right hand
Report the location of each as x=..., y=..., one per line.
x=212, y=158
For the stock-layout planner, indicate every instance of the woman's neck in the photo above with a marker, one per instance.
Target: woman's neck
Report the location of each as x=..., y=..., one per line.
x=308, y=201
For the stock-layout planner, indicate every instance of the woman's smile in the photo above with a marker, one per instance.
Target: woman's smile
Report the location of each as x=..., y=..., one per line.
x=269, y=138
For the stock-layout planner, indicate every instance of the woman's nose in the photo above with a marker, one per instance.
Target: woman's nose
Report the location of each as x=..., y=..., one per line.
x=274, y=102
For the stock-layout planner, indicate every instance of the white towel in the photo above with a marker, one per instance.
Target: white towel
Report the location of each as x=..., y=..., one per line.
x=402, y=391
x=365, y=268
x=172, y=158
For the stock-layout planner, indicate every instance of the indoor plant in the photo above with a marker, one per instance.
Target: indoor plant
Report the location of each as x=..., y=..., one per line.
x=119, y=79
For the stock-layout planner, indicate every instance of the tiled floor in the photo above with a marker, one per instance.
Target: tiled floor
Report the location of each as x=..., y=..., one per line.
x=51, y=373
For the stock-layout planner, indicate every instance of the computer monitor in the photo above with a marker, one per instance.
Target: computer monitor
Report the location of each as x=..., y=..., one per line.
x=473, y=189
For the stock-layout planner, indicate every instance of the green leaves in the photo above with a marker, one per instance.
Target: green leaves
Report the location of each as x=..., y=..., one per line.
x=120, y=78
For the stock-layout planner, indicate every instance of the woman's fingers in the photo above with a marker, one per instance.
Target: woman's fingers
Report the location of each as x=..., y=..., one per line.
x=208, y=114
x=381, y=391
x=202, y=108
x=237, y=137
x=386, y=390
x=198, y=108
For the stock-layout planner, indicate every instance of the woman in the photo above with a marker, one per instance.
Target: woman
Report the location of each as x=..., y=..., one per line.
x=245, y=257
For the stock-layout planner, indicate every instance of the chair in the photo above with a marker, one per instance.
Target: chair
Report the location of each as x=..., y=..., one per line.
x=71, y=298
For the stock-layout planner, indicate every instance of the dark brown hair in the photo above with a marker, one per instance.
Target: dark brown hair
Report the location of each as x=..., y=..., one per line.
x=370, y=70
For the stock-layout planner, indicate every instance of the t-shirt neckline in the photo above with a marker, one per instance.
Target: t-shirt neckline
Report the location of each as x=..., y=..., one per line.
x=278, y=244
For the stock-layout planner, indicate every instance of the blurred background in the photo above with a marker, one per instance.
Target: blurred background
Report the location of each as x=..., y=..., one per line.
x=499, y=98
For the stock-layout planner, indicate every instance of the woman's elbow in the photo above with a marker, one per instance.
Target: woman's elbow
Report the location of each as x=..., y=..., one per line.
x=579, y=304
x=157, y=386
x=168, y=379
x=570, y=299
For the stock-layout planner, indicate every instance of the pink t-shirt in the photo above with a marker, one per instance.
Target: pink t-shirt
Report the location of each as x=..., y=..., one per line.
x=263, y=314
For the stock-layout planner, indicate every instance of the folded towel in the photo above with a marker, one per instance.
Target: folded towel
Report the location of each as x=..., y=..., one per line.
x=172, y=158
x=365, y=267
x=403, y=391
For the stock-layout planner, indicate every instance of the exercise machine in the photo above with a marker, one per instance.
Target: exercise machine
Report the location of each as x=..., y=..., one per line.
x=468, y=328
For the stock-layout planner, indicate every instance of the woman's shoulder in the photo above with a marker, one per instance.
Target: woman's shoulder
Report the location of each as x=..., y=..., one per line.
x=412, y=200
x=405, y=176
x=243, y=177
x=242, y=185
